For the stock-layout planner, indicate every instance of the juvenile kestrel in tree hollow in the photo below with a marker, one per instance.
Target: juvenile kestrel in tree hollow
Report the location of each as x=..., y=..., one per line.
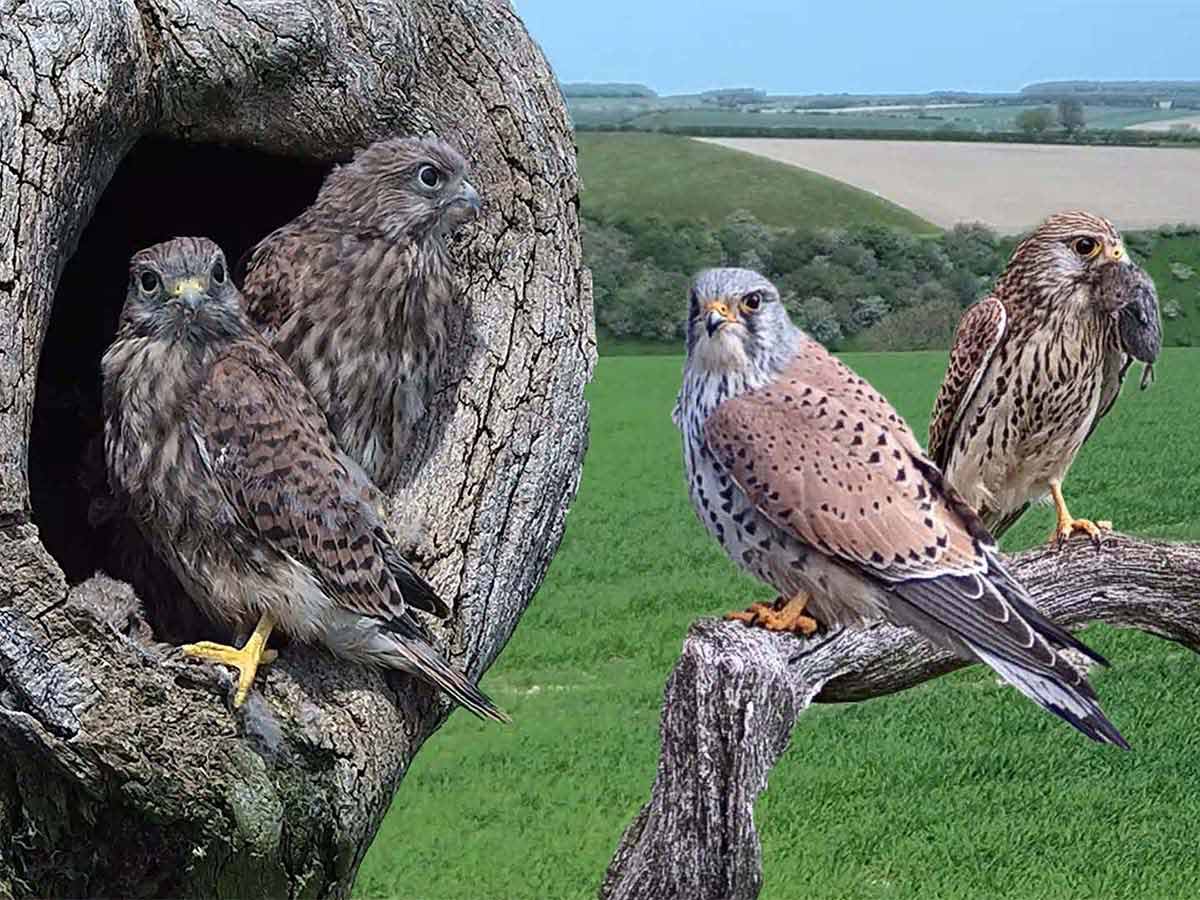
x=1037, y=364
x=812, y=482
x=355, y=291
x=218, y=452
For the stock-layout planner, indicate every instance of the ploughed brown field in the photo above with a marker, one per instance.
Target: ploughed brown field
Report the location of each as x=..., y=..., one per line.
x=1010, y=187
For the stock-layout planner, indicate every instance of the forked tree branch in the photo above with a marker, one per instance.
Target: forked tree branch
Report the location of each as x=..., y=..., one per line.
x=736, y=692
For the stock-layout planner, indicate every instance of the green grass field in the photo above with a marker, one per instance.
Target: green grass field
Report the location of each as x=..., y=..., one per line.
x=636, y=175
x=958, y=789
x=1184, y=330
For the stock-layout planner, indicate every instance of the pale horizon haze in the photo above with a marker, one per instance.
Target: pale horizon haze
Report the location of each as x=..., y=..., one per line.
x=867, y=47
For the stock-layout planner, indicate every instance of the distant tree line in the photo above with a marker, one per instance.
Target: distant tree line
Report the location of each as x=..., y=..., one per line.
x=605, y=89
x=866, y=287
x=1124, y=137
x=1069, y=115
x=1183, y=94
x=869, y=286
x=733, y=97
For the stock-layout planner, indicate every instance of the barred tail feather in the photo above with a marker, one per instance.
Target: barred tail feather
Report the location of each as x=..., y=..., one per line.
x=988, y=617
x=1076, y=705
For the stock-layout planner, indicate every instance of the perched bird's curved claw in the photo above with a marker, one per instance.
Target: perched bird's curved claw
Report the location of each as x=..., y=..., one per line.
x=246, y=660
x=1068, y=527
x=782, y=615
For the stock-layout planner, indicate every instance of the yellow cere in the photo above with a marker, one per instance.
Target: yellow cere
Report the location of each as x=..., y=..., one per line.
x=186, y=284
x=721, y=307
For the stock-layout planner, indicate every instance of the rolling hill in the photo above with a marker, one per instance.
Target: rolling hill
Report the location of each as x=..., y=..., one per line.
x=630, y=176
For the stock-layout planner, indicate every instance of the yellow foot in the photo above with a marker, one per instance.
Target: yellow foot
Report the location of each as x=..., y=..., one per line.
x=782, y=615
x=246, y=661
x=1068, y=527
x=1068, y=524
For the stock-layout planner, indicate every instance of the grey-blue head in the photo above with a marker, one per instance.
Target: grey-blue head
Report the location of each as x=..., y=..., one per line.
x=737, y=323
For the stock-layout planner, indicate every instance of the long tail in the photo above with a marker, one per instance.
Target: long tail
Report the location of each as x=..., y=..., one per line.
x=987, y=617
x=400, y=645
x=1052, y=691
x=1059, y=688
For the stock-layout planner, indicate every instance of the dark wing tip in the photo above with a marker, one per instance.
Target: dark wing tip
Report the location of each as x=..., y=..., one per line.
x=1092, y=723
x=1073, y=700
x=1055, y=635
x=417, y=592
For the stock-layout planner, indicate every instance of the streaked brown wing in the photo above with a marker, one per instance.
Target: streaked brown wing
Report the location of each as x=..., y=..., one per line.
x=268, y=271
x=979, y=333
x=268, y=442
x=287, y=272
x=823, y=455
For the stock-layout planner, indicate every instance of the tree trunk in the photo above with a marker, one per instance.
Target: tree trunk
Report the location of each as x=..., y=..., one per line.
x=122, y=771
x=736, y=693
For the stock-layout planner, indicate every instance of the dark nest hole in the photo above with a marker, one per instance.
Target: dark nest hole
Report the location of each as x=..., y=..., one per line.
x=162, y=189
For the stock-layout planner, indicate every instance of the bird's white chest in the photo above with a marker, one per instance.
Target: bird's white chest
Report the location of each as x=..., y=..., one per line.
x=747, y=536
x=1029, y=418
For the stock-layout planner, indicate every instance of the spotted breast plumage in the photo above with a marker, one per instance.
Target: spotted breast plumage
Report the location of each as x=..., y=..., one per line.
x=1037, y=364
x=222, y=458
x=356, y=292
x=812, y=482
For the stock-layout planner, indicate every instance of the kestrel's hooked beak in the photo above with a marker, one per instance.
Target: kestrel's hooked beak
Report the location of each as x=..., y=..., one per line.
x=1117, y=253
x=717, y=314
x=465, y=204
x=189, y=293
x=462, y=207
x=468, y=196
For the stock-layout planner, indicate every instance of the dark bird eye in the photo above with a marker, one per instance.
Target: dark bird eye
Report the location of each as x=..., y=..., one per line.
x=149, y=281
x=429, y=176
x=752, y=300
x=218, y=272
x=1086, y=247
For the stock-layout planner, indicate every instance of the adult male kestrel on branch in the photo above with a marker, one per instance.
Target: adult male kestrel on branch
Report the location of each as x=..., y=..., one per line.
x=219, y=453
x=355, y=292
x=1037, y=364
x=812, y=482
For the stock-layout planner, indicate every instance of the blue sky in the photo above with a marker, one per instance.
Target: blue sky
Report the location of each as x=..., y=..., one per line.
x=864, y=46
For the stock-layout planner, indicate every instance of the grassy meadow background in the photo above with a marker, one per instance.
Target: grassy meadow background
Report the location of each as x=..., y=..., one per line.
x=957, y=789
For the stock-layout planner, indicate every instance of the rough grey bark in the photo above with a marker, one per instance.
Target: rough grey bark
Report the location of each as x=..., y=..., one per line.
x=122, y=772
x=736, y=692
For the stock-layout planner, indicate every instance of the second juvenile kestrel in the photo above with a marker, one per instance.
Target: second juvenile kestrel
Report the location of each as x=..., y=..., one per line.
x=355, y=292
x=1037, y=364
x=811, y=481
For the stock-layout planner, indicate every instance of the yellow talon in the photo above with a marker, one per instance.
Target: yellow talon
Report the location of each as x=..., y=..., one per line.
x=246, y=660
x=785, y=614
x=1069, y=525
